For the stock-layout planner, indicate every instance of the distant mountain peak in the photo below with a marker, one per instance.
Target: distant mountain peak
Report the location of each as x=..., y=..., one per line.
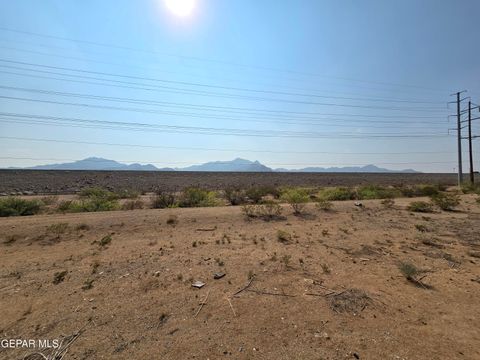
x=235, y=165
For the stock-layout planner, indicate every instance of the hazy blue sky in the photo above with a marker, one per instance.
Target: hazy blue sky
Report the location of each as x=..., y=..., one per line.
x=336, y=82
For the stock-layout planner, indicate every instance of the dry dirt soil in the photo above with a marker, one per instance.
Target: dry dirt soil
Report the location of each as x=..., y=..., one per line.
x=332, y=291
x=68, y=182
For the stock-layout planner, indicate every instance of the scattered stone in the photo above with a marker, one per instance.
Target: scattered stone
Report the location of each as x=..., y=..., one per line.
x=218, y=275
x=198, y=284
x=359, y=204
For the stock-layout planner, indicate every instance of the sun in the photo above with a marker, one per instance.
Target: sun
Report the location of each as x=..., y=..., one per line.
x=181, y=8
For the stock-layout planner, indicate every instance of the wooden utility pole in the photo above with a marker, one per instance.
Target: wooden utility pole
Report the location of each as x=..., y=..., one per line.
x=470, y=151
x=459, y=140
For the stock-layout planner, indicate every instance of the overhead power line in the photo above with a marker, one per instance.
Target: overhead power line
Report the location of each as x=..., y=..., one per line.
x=51, y=120
x=70, y=141
x=264, y=118
x=210, y=93
x=163, y=70
x=278, y=113
x=122, y=47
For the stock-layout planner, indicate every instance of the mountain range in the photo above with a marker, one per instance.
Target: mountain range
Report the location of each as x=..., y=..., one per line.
x=236, y=165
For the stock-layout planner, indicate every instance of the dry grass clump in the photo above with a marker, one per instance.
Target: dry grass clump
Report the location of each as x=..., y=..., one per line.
x=58, y=229
x=446, y=202
x=420, y=206
x=267, y=212
x=388, y=203
x=324, y=205
x=284, y=237
x=58, y=277
x=165, y=199
x=133, y=205
x=297, y=198
x=349, y=301
x=412, y=274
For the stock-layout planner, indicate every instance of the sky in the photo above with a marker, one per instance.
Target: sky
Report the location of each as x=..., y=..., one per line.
x=289, y=83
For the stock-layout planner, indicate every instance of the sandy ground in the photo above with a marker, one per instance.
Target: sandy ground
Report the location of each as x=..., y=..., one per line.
x=134, y=300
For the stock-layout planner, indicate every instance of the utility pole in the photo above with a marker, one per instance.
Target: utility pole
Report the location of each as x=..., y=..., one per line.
x=470, y=151
x=459, y=141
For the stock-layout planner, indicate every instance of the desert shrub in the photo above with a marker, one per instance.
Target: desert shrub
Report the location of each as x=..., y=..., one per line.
x=269, y=210
x=249, y=211
x=13, y=206
x=49, y=200
x=165, y=199
x=284, y=236
x=388, y=203
x=127, y=194
x=376, y=192
x=420, y=206
x=471, y=189
x=256, y=193
x=59, y=276
x=297, y=198
x=58, y=229
x=196, y=197
x=88, y=205
x=107, y=239
x=446, y=202
x=132, y=205
x=98, y=193
x=420, y=190
x=235, y=196
x=323, y=204
x=408, y=270
x=337, y=193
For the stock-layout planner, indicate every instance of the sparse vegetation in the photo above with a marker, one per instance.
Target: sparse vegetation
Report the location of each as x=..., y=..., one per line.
x=446, y=202
x=324, y=205
x=82, y=226
x=422, y=228
x=87, y=284
x=284, y=237
x=297, y=198
x=368, y=192
x=106, y=240
x=196, y=197
x=337, y=193
x=268, y=211
x=58, y=229
x=408, y=270
x=165, y=199
x=235, y=196
x=133, y=205
x=257, y=193
x=14, y=206
x=88, y=205
x=49, y=200
x=420, y=206
x=58, y=277
x=388, y=203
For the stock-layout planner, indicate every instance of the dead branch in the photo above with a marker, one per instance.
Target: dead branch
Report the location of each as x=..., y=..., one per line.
x=268, y=293
x=202, y=304
x=246, y=287
x=231, y=307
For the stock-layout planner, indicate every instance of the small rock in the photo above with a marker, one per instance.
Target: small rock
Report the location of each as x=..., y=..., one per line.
x=218, y=275
x=198, y=284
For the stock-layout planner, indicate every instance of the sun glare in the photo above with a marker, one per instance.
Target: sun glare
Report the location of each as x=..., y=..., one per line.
x=181, y=8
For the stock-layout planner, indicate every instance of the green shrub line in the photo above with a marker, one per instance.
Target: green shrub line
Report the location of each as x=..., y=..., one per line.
x=94, y=199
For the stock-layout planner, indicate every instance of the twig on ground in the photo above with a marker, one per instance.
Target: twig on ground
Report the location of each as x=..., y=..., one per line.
x=206, y=229
x=246, y=287
x=202, y=304
x=268, y=293
x=231, y=307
